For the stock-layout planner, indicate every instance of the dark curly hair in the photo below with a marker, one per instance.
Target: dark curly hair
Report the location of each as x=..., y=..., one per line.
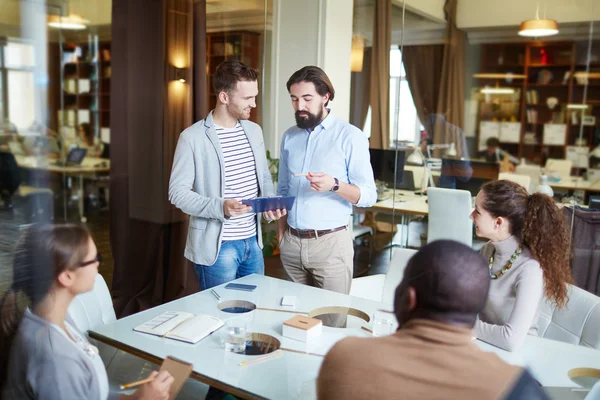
x=540, y=225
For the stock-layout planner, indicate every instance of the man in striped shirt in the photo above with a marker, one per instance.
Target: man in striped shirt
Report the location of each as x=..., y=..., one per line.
x=220, y=161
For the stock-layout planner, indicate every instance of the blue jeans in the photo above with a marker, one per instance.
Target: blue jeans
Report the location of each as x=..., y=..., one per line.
x=236, y=258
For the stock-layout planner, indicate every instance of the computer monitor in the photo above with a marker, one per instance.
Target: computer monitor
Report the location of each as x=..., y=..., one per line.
x=385, y=164
x=467, y=174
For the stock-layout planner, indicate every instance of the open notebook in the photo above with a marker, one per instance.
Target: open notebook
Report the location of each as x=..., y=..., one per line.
x=180, y=325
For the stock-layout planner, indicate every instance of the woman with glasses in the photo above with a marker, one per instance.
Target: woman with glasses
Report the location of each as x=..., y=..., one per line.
x=43, y=355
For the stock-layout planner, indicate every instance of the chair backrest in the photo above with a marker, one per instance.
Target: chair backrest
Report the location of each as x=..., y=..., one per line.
x=563, y=167
x=93, y=309
x=395, y=273
x=10, y=176
x=577, y=323
x=523, y=180
x=449, y=211
x=533, y=172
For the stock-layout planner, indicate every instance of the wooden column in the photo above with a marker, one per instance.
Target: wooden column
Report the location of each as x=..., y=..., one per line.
x=151, y=50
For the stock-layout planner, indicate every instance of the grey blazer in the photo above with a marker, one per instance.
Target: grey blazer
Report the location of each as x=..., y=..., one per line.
x=197, y=185
x=44, y=365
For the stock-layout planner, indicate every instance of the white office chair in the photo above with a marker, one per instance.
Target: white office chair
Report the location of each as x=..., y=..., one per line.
x=449, y=211
x=578, y=323
x=382, y=287
x=92, y=310
x=562, y=167
x=533, y=172
x=522, y=180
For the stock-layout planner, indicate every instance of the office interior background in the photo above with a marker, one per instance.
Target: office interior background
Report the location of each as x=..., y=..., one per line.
x=123, y=78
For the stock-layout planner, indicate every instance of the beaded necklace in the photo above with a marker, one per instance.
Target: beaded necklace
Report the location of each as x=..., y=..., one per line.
x=509, y=264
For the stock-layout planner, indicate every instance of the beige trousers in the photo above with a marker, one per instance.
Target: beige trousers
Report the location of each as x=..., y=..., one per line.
x=326, y=262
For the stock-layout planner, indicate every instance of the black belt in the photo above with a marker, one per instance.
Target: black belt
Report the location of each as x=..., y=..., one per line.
x=312, y=233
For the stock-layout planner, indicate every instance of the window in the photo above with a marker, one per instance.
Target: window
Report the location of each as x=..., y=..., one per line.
x=404, y=121
x=16, y=66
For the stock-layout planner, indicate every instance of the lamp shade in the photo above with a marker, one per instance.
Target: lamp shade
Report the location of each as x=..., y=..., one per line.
x=538, y=28
x=543, y=187
x=71, y=22
x=357, y=53
x=415, y=158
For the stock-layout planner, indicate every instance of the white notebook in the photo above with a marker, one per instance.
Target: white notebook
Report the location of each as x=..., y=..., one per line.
x=180, y=325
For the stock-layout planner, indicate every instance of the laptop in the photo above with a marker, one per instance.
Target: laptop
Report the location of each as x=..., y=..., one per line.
x=408, y=181
x=74, y=158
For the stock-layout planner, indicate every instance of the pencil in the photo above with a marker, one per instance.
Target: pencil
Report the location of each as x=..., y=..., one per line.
x=278, y=310
x=300, y=174
x=263, y=358
x=136, y=383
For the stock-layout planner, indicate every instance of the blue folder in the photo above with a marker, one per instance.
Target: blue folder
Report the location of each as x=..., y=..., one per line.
x=262, y=204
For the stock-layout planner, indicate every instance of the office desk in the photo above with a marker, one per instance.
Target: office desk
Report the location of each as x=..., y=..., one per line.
x=576, y=183
x=90, y=166
x=293, y=375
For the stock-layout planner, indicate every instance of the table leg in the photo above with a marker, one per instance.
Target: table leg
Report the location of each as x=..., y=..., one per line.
x=81, y=203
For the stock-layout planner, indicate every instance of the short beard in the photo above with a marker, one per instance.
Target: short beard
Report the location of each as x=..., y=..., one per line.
x=311, y=122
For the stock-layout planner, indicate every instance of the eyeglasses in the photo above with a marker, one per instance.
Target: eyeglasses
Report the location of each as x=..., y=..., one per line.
x=98, y=259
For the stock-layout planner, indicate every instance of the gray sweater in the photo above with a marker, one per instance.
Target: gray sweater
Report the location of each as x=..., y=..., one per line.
x=46, y=364
x=197, y=185
x=511, y=311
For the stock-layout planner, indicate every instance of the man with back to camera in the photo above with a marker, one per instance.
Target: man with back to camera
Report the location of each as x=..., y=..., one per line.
x=324, y=163
x=432, y=354
x=220, y=161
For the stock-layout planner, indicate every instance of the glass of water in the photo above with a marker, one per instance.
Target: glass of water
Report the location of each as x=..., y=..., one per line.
x=384, y=323
x=233, y=335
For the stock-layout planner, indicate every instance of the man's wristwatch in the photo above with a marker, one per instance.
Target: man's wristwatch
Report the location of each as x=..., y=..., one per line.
x=336, y=185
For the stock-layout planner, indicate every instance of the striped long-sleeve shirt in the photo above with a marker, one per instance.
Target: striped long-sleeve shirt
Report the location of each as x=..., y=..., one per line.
x=240, y=180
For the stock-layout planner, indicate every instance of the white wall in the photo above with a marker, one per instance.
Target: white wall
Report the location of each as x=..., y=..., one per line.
x=478, y=13
x=311, y=32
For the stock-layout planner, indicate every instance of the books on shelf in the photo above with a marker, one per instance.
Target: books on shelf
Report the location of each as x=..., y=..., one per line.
x=179, y=325
x=532, y=116
x=532, y=97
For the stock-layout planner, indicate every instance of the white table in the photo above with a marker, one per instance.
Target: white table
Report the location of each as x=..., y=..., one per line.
x=549, y=361
x=293, y=376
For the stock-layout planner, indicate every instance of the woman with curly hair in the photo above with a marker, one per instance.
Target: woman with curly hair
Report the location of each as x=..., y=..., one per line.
x=528, y=255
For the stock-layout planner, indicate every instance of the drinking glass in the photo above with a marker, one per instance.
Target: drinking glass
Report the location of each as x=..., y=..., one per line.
x=384, y=323
x=233, y=335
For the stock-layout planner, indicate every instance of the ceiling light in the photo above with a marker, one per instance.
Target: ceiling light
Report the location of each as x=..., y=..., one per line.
x=507, y=75
x=71, y=22
x=497, y=90
x=538, y=27
x=577, y=106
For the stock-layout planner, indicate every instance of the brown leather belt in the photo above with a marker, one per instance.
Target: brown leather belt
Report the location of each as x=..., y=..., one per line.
x=313, y=234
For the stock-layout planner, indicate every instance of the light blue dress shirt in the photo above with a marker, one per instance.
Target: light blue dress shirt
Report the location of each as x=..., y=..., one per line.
x=336, y=148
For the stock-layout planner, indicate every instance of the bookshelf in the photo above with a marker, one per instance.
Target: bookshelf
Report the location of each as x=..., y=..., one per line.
x=241, y=45
x=552, y=83
x=85, y=92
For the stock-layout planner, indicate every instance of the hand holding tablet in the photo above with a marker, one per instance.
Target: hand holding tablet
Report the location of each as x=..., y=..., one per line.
x=262, y=204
